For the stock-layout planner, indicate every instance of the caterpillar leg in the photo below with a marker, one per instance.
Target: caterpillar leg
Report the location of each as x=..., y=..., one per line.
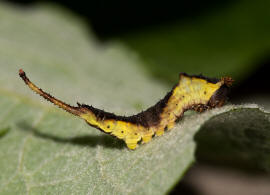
x=147, y=136
x=170, y=125
x=131, y=146
x=160, y=132
x=132, y=139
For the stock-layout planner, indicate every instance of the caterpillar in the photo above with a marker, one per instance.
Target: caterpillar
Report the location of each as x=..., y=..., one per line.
x=190, y=93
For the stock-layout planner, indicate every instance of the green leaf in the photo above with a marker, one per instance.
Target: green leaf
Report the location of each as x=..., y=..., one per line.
x=241, y=141
x=48, y=151
x=228, y=39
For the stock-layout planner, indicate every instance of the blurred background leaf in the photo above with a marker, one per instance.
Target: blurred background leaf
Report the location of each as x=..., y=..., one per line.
x=227, y=40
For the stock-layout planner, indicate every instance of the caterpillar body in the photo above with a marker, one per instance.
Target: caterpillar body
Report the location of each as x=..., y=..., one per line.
x=191, y=92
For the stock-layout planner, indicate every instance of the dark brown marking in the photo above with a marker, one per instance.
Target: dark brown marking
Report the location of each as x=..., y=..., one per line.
x=147, y=118
x=219, y=97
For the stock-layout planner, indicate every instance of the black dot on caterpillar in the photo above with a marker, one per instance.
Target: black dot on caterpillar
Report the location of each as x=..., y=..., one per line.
x=191, y=92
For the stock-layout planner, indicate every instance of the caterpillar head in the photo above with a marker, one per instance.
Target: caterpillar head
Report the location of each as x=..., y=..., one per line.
x=220, y=96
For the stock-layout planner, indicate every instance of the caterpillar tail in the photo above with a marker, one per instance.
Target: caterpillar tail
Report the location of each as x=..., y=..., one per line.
x=71, y=109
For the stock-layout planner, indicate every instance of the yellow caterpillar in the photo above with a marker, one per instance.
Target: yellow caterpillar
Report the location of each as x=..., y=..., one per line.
x=191, y=92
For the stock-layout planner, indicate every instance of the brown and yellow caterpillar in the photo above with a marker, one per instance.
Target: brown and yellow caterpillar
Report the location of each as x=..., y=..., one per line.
x=191, y=92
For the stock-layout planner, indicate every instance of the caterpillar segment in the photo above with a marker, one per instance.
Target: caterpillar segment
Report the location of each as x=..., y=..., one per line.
x=191, y=92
